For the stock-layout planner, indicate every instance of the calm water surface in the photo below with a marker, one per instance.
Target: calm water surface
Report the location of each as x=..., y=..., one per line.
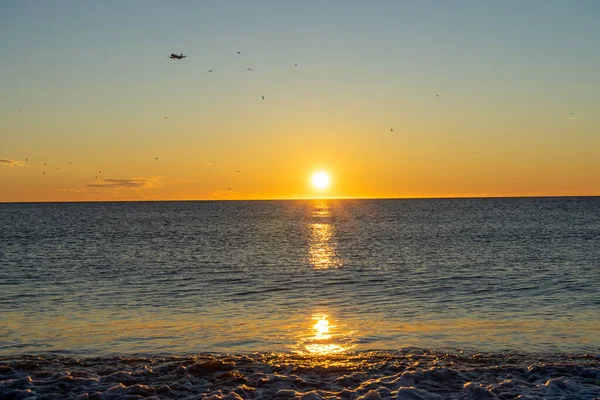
x=319, y=276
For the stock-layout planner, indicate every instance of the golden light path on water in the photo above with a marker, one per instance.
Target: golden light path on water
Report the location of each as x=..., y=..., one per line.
x=325, y=338
x=322, y=252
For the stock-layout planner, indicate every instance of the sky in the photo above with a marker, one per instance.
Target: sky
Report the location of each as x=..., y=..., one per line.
x=390, y=98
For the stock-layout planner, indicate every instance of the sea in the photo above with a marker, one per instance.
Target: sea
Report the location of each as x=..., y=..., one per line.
x=312, y=299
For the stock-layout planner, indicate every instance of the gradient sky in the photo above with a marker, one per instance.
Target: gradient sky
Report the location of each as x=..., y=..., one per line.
x=94, y=83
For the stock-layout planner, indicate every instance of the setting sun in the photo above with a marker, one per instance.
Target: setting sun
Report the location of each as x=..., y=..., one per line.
x=320, y=180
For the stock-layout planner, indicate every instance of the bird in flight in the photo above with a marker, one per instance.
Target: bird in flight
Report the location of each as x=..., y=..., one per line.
x=239, y=52
x=391, y=129
x=166, y=117
x=263, y=97
x=177, y=57
x=157, y=158
x=248, y=69
x=295, y=65
x=210, y=70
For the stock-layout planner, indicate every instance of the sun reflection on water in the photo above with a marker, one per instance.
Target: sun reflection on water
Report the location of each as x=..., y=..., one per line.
x=322, y=252
x=325, y=338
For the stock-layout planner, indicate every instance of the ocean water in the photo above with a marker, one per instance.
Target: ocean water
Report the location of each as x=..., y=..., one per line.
x=304, y=277
x=322, y=299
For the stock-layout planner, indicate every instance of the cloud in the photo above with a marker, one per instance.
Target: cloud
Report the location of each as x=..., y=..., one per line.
x=10, y=163
x=133, y=183
x=78, y=191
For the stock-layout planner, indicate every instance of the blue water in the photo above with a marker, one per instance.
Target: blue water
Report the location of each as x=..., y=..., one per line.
x=320, y=276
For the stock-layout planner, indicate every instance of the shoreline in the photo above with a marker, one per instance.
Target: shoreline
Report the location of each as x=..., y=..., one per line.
x=404, y=374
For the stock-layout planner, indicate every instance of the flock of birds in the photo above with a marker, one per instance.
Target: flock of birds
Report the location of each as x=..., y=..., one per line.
x=173, y=56
x=181, y=56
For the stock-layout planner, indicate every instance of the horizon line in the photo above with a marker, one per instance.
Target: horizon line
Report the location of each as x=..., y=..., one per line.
x=306, y=199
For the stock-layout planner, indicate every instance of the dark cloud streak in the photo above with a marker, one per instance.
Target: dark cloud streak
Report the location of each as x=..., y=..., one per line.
x=10, y=163
x=135, y=183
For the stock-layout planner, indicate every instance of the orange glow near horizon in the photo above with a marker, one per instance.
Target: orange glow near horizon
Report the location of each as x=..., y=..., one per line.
x=417, y=169
x=31, y=181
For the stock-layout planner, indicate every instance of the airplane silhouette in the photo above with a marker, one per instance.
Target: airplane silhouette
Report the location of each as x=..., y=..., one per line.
x=176, y=57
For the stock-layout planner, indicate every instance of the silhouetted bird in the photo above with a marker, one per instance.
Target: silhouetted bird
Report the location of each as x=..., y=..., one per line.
x=26, y=159
x=157, y=158
x=248, y=69
x=239, y=52
x=44, y=163
x=238, y=170
x=263, y=97
x=166, y=118
x=295, y=65
x=210, y=70
x=437, y=95
x=43, y=173
x=392, y=129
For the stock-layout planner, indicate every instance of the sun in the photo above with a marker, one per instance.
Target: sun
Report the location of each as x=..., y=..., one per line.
x=320, y=180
